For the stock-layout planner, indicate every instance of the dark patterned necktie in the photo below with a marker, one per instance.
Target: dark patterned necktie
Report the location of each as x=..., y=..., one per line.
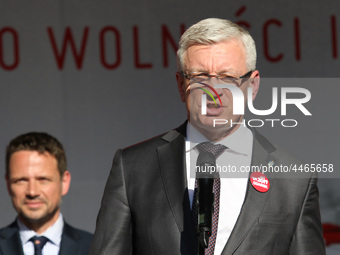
x=216, y=150
x=39, y=242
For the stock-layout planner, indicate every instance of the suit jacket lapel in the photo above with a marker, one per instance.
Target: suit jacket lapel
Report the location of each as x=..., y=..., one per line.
x=68, y=242
x=172, y=166
x=10, y=242
x=254, y=200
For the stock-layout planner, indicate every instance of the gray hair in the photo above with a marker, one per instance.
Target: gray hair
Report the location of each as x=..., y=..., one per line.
x=214, y=30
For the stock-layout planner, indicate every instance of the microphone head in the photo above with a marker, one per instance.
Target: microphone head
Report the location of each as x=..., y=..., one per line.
x=206, y=163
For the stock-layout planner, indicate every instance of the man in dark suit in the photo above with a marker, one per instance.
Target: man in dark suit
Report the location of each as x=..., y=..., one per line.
x=149, y=199
x=37, y=179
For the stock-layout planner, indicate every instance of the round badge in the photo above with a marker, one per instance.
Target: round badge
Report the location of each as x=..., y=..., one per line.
x=259, y=181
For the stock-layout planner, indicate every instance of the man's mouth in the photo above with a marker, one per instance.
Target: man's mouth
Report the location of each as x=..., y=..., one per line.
x=34, y=205
x=213, y=106
x=214, y=109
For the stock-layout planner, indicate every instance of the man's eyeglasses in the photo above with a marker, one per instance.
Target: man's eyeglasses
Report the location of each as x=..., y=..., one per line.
x=205, y=77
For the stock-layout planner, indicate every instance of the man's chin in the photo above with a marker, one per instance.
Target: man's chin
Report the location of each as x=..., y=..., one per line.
x=37, y=216
x=209, y=123
x=207, y=126
x=33, y=217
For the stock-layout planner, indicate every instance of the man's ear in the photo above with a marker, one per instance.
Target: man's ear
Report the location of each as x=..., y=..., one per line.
x=255, y=83
x=181, y=86
x=65, y=182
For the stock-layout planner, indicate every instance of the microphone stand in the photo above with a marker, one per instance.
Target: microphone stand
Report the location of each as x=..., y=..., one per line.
x=203, y=240
x=204, y=228
x=204, y=200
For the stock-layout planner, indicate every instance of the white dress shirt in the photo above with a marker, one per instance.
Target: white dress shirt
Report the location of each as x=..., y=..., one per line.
x=233, y=185
x=53, y=234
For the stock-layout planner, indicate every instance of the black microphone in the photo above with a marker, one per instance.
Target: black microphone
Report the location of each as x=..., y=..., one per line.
x=205, y=174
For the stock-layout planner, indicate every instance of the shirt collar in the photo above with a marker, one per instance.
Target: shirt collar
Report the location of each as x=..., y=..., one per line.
x=53, y=233
x=239, y=141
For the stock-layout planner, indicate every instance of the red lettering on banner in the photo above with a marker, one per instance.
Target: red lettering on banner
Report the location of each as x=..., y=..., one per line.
x=297, y=39
x=334, y=37
x=166, y=36
x=68, y=39
x=266, y=40
x=15, y=37
x=138, y=64
x=182, y=28
x=242, y=23
x=111, y=40
x=103, y=47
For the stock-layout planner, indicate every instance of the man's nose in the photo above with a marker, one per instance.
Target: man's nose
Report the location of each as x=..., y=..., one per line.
x=215, y=91
x=32, y=188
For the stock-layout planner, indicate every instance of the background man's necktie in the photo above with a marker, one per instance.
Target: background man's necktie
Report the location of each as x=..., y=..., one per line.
x=39, y=242
x=216, y=150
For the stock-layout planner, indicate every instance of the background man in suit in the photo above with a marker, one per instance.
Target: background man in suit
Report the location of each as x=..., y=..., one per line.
x=148, y=198
x=37, y=179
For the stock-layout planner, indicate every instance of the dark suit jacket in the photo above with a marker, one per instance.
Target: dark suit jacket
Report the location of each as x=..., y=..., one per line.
x=145, y=207
x=73, y=241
